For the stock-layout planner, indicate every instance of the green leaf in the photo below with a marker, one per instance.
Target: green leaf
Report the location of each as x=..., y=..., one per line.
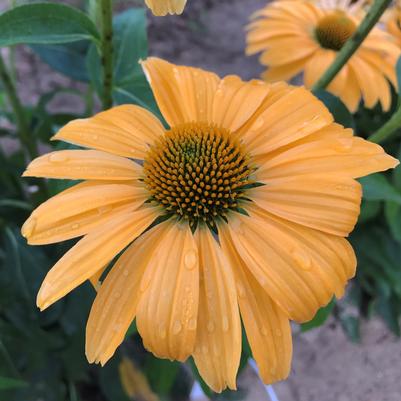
x=320, y=317
x=351, y=327
x=67, y=58
x=378, y=187
x=337, y=108
x=45, y=23
x=369, y=210
x=7, y=383
x=392, y=211
x=398, y=72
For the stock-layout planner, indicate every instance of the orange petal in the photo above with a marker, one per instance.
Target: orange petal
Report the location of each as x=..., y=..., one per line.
x=83, y=165
x=331, y=150
x=300, y=268
x=287, y=114
x=236, y=101
x=79, y=210
x=267, y=328
x=167, y=311
x=183, y=94
x=125, y=130
x=218, y=339
x=164, y=7
x=329, y=203
x=116, y=303
x=92, y=253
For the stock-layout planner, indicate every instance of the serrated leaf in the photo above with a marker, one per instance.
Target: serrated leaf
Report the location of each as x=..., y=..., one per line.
x=45, y=23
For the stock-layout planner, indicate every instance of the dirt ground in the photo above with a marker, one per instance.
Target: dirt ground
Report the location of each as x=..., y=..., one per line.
x=326, y=366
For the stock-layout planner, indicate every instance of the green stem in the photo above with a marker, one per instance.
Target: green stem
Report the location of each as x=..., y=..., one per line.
x=106, y=49
x=8, y=359
x=388, y=129
x=346, y=52
x=20, y=117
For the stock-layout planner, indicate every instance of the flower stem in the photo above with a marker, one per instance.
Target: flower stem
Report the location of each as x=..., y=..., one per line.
x=349, y=48
x=106, y=49
x=388, y=129
x=27, y=141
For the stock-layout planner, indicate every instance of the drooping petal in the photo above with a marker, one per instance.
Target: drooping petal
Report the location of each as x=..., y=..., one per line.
x=164, y=7
x=115, y=306
x=79, y=210
x=267, y=327
x=183, y=94
x=92, y=253
x=125, y=130
x=300, y=268
x=333, y=150
x=83, y=165
x=218, y=339
x=329, y=203
x=167, y=311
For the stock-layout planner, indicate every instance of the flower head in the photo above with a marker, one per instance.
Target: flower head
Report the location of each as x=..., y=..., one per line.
x=299, y=36
x=393, y=23
x=239, y=207
x=164, y=7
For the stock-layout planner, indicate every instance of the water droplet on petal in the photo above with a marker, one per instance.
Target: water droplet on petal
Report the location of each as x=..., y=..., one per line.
x=264, y=331
x=29, y=227
x=258, y=123
x=125, y=272
x=104, y=209
x=162, y=332
x=75, y=226
x=210, y=327
x=57, y=157
x=192, y=324
x=176, y=327
x=225, y=323
x=303, y=260
x=190, y=259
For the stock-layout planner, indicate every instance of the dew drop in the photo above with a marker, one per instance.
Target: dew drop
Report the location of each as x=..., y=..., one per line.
x=29, y=227
x=303, y=260
x=190, y=259
x=75, y=226
x=95, y=137
x=125, y=272
x=344, y=144
x=117, y=294
x=162, y=332
x=57, y=157
x=258, y=123
x=210, y=327
x=104, y=209
x=225, y=323
x=264, y=331
x=205, y=349
x=176, y=327
x=192, y=324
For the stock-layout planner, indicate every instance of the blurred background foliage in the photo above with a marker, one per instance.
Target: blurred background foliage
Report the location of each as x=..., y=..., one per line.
x=42, y=354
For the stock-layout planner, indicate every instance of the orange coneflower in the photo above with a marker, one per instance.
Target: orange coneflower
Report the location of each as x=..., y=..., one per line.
x=164, y=7
x=239, y=207
x=393, y=23
x=299, y=36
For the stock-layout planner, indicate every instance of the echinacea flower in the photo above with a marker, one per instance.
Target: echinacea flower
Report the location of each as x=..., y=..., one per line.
x=239, y=207
x=164, y=7
x=393, y=23
x=300, y=37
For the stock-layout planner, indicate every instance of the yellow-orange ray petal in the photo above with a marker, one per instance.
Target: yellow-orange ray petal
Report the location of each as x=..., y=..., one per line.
x=164, y=7
x=80, y=210
x=92, y=253
x=332, y=151
x=168, y=308
x=329, y=203
x=125, y=130
x=289, y=115
x=351, y=97
x=267, y=327
x=284, y=72
x=183, y=94
x=83, y=165
x=236, y=101
x=218, y=339
x=116, y=303
x=300, y=268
